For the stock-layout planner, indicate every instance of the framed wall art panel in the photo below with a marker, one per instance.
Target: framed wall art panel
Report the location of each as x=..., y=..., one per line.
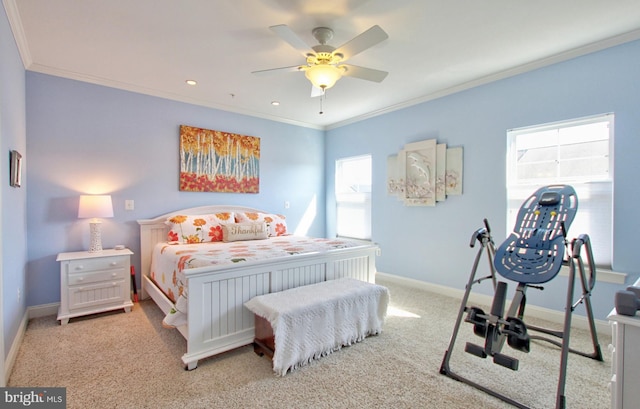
x=216, y=161
x=15, y=172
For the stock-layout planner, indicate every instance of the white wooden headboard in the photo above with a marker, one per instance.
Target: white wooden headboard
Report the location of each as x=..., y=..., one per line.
x=153, y=231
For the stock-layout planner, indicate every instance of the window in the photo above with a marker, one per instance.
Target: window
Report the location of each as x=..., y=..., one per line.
x=577, y=153
x=353, y=197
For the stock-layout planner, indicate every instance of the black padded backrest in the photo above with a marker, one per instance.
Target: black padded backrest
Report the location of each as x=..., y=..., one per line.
x=534, y=252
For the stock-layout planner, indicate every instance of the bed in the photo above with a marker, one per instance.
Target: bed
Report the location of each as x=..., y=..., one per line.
x=217, y=320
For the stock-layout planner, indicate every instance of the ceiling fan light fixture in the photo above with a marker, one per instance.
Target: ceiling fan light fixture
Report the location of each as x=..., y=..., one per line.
x=324, y=76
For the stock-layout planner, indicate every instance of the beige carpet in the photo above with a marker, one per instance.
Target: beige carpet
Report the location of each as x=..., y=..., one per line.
x=122, y=360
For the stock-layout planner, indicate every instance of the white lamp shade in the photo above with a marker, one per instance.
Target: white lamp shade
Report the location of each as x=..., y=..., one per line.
x=95, y=206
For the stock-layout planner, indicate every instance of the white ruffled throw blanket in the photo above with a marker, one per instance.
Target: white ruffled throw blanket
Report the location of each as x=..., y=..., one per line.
x=312, y=321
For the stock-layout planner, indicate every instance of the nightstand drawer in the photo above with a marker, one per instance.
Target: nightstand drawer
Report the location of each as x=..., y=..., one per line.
x=86, y=296
x=96, y=276
x=97, y=264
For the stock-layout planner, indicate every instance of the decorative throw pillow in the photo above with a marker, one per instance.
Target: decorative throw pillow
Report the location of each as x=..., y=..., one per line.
x=198, y=228
x=244, y=231
x=276, y=223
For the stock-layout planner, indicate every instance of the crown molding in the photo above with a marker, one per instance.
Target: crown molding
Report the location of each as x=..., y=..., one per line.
x=511, y=72
x=15, y=23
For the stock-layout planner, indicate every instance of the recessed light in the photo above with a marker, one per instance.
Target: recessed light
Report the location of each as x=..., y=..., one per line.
x=275, y=103
x=191, y=82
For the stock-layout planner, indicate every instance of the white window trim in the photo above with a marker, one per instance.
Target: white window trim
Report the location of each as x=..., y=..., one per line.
x=512, y=134
x=358, y=200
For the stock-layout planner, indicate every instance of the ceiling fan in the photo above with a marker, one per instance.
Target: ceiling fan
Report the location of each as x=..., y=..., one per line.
x=324, y=63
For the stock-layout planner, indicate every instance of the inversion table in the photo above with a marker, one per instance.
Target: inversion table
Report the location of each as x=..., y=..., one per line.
x=532, y=255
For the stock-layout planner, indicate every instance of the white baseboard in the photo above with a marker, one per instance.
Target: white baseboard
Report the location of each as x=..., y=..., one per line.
x=15, y=346
x=32, y=312
x=577, y=321
x=43, y=310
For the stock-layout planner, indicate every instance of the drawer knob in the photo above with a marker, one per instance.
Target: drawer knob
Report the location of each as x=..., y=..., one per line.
x=113, y=263
x=80, y=278
x=114, y=275
x=80, y=267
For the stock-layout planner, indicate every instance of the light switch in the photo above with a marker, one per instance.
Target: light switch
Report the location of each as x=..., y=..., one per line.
x=128, y=205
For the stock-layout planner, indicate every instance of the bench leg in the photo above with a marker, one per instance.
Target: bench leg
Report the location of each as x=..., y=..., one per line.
x=263, y=343
x=261, y=349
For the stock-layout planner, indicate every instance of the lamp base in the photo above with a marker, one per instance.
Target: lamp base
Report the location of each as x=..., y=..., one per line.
x=95, y=237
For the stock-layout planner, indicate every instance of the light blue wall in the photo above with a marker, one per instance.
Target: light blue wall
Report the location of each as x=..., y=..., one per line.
x=13, y=200
x=84, y=138
x=432, y=243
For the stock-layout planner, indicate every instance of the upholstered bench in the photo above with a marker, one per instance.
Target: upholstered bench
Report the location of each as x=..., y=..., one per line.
x=304, y=323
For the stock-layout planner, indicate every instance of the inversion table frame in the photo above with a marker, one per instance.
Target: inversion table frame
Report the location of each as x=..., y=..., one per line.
x=497, y=327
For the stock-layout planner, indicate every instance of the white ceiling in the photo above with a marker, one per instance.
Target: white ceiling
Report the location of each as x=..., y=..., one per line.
x=435, y=47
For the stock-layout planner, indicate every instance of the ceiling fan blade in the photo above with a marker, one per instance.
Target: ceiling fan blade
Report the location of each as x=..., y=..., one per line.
x=293, y=68
x=291, y=38
x=364, y=73
x=368, y=39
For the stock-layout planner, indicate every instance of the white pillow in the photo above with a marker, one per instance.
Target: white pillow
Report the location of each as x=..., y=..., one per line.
x=276, y=223
x=202, y=228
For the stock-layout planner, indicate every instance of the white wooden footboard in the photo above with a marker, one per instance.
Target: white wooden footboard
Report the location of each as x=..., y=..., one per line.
x=218, y=320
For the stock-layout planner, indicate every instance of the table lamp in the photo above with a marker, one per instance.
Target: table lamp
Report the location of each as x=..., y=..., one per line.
x=95, y=207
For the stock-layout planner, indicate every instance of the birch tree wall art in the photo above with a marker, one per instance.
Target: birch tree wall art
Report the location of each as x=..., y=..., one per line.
x=216, y=161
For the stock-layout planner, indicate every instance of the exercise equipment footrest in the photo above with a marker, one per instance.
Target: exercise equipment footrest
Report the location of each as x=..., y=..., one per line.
x=474, y=349
x=506, y=361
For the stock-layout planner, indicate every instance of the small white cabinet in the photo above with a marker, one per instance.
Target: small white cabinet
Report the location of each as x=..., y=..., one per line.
x=93, y=282
x=625, y=360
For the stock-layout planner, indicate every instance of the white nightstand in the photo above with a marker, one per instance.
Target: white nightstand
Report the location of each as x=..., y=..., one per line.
x=625, y=359
x=94, y=282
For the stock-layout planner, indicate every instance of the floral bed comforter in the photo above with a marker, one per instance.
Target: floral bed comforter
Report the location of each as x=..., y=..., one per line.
x=169, y=260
